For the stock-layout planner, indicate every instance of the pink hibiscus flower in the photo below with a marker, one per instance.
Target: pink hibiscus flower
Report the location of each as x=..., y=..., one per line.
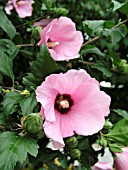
x=62, y=39
x=72, y=102
x=121, y=161
x=102, y=166
x=22, y=7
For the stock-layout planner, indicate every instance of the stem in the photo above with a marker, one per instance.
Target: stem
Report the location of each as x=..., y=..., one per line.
x=28, y=22
x=10, y=88
x=96, y=38
x=25, y=45
x=86, y=62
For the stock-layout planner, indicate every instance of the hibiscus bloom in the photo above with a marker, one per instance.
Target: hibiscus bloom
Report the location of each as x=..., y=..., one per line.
x=121, y=161
x=102, y=166
x=62, y=39
x=72, y=102
x=22, y=7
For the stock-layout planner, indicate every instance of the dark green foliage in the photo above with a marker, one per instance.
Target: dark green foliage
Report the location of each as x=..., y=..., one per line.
x=23, y=64
x=15, y=149
x=43, y=66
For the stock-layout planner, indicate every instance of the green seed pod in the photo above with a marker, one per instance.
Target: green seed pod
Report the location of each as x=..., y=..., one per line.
x=71, y=142
x=75, y=154
x=103, y=143
x=108, y=125
x=33, y=123
x=36, y=32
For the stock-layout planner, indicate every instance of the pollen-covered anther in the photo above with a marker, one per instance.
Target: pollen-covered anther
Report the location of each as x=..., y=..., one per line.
x=52, y=44
x=64, y=104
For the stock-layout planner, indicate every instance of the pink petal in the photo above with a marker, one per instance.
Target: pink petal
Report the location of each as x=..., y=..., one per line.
x=63, y=29
x=52, y=130
x=71, y=80
x=45, y=32
x=86, y=118
x=42, y=112
x=121, y=161
x=68, y=49
x=43, y=22
x=23, y=8
x=9, y=7
x=46, y=94
x=102, y=166
x=91, y=92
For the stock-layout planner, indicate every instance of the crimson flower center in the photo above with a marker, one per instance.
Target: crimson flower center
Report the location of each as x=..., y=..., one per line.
x=63, y=103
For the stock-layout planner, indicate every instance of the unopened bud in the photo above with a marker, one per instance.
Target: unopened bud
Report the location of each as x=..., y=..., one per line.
x=33, y=123
x=71, y=142
x=6, y=91
x=75, y=154
x=36, y=32
x=59, y=11
x=108, y=125
x=25, y=92
x=103, y=143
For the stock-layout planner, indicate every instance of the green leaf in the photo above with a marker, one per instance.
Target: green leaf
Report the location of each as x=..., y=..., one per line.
x=6, y=25
x=94, y=50
x=122, y=113
x=116, y=5
x=10, y=101
x=91, y=27
x=115, y=148
x=15, y=149
x=62, y=159
x=2, y=119
x=28, y=104
x=9, y=48
x=89, y=157
x=122, y=7
x=6, y=65
x=84, y=144
x=101, y=67
x=42, y=67
x=119, y=133
x=116, y=34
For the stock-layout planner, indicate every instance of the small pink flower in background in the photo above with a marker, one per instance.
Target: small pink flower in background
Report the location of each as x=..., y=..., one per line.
x=102, y=166
x=22, y=7
x=43, y=22
x=72, y=102
x=121, y=161
x=62, y=39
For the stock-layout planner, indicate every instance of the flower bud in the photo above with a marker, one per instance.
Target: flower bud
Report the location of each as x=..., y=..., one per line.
x=33, y=123
x=108, y=125
x=25, y=92
x=75, y=154
x=103, y=143
x=71, y=142
x=62, y=11
x=36, y=32
x=59, y=11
